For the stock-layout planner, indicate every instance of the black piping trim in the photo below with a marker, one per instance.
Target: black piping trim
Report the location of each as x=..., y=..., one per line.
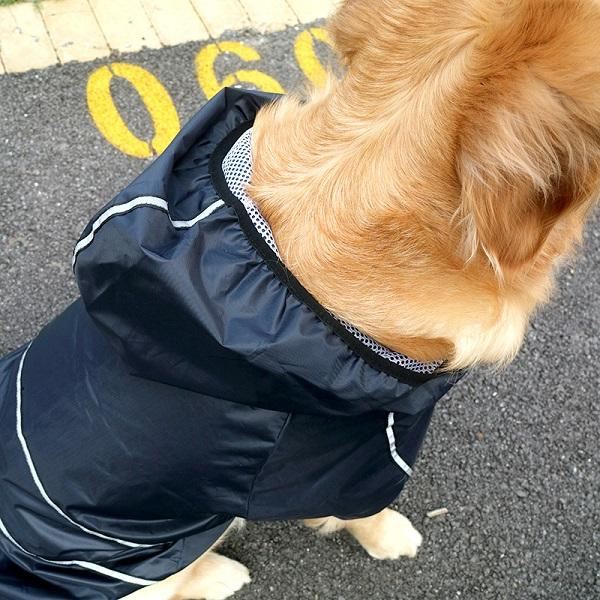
x=287, y=278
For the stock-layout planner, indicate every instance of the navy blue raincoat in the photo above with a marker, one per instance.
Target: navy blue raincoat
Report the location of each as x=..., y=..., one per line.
x=194, y=381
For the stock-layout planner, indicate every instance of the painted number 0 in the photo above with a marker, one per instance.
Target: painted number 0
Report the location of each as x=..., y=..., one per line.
x=155, y=98
x=304, y=49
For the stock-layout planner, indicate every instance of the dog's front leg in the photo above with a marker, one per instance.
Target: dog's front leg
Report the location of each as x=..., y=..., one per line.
x=387, y=534
x=211, y=577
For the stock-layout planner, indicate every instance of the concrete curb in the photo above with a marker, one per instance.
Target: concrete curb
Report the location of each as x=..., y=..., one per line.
x=36, y=36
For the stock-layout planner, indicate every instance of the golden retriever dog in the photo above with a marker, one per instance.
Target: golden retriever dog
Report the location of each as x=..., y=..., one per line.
x=448, y=172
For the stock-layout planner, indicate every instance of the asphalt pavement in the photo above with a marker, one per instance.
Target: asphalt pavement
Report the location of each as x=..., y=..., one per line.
x=512, y=455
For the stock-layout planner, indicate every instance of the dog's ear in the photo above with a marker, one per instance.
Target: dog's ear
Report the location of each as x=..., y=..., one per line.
x=528, y=148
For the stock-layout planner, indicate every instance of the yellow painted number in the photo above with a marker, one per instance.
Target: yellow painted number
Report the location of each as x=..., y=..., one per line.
x=205, y=69
x=108, y=120
x=304, y=48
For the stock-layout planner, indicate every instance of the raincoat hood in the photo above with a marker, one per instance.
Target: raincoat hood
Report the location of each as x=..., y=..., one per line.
x=157, y=290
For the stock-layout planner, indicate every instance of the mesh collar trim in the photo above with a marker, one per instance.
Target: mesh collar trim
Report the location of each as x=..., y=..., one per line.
x=237, y=168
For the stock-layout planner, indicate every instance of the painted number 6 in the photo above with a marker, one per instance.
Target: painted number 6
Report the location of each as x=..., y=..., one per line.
x=205, y=69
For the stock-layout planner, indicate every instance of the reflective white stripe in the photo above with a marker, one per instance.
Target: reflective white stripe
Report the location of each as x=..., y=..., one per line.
x=78, y=563
x=37, y=479
x=150, y=201
x=116, y=210
x=392, y=441
x=205, y=213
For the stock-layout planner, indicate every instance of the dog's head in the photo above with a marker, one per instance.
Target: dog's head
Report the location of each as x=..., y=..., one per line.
x=515, y=85
x=496, y=105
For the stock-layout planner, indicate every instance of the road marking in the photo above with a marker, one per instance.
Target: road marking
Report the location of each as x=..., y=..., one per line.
x=207, y=79
x=175, y=21
x=307, y=59
x=24, y=41
x=153, y=95
x=125, y=25
x=74, y=30
x=159, y=104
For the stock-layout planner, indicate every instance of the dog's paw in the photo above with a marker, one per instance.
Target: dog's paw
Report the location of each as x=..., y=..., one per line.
x=220, y=578
x=388, y=535
x=325, y=525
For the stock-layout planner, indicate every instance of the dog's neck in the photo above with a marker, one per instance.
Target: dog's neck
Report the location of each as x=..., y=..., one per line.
x=334, y=183
x=322, y=186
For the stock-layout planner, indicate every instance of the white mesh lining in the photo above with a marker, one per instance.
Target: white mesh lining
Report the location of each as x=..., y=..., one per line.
x=237, y=168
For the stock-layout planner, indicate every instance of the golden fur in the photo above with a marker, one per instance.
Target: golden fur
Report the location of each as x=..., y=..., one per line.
x=428, y=195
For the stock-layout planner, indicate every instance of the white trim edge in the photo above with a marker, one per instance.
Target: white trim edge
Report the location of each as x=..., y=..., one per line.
x=149, y=201
x=37, y=479
x=79, y=563
x=392, y=441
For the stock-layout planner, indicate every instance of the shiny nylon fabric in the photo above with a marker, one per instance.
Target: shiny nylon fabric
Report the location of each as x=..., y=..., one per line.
x=194, y=381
